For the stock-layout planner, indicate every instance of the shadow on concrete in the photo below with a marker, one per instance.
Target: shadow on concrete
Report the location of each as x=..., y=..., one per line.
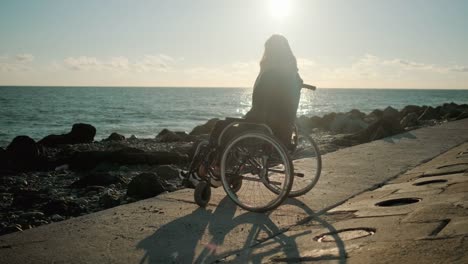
x=401, y=136
x=254, y=237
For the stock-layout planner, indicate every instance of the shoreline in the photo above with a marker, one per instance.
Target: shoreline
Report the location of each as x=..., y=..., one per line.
x=57, y=181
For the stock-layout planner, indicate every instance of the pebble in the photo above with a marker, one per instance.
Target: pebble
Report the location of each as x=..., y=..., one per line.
x=56, y=218
x=34, y=214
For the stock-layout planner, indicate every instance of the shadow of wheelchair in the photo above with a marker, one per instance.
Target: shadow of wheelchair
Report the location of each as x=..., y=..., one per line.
x=200, y=237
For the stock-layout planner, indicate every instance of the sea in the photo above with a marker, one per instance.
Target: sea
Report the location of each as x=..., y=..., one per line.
x=144, y=112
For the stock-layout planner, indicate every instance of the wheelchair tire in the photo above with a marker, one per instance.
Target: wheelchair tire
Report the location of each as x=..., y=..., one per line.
x=202, y=194
x=307, y=162
x=239, y=157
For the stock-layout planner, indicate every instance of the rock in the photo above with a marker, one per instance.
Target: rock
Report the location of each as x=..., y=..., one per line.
x=453, y=114
x=373, y=116
x=3, y=158
x=327, y=120
x=95, y=188
x=115, y=137
x=429, y=114
x=10, y=229
x=132, y=137
x=391, y=113
x=168, y=136
x=109, y=198
x=98, y=178
x=446, y=109
x=205, y=128
x=64, y=207
x=168, y=172
x=356, y=114
x=31, y=215
x=27, y=198
x=384, y=127
x=145, y=185
x=411, y=109
x=57, y=217
x=410, y=120
x=80, y=133
x=463, y=115
x=23, y=152
x=345, y=123
x=90, y=159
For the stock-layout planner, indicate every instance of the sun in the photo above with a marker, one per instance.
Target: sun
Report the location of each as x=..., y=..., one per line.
x=279, y=8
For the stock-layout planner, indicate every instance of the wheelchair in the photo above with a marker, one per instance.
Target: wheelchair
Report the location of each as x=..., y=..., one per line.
x=257, y=171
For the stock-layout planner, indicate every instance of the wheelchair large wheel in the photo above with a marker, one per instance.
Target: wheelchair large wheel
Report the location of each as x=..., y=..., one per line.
x=307, y=163
x=263, y=166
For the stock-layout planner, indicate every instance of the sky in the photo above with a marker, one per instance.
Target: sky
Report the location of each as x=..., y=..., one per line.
x=219, y=43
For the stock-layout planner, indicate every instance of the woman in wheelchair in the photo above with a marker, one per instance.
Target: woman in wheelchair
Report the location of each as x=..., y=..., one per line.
x=275, y=95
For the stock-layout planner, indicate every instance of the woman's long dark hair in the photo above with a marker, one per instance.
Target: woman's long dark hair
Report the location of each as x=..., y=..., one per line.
x=278, y=54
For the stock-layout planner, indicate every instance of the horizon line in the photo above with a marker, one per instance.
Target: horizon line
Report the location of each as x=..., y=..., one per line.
x=224, y=87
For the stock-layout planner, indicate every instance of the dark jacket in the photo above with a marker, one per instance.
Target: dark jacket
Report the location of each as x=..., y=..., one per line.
x=275, y=100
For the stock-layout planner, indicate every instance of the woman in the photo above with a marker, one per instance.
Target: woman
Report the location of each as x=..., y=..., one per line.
x=277, y=89
x=275, y=96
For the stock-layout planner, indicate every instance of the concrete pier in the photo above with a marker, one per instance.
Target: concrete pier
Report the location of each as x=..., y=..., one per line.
x=338, y=221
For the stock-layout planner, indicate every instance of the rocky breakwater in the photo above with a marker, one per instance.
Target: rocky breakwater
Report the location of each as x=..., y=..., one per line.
x=63, y=176
x=337, y=130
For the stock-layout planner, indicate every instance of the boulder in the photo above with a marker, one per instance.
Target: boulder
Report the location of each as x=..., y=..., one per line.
x=167, y=135
x=98, y=178
x=463, y=115
x=168, y=172
x=356, y=114
x=446, y=109
x=384, y=127
x=453, y=114
x=346, y=123
x=23, y=152
x=205, y=128
x=115, y=137
x=391, y=112
x=80, y=133
x=326, y=120
x=109, y=198
x=429, y=113
x=315, y=122
x=373, y=116
x=304, y=123
x=145, y=185
x=410, y=120
x=411, y=109
x=23, y=147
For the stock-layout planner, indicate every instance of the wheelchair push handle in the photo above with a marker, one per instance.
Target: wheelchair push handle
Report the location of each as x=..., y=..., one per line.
x=308, y=86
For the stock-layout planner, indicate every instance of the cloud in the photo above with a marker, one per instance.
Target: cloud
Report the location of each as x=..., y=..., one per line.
x=25, y=57
x=147, y=63
x=17, y=64
x=160, y=62
x=459, y=69
x=82, y=63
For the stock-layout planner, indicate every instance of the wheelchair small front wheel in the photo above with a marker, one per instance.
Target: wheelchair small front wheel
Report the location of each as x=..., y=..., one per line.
x=261, y=164
x=202, y=193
